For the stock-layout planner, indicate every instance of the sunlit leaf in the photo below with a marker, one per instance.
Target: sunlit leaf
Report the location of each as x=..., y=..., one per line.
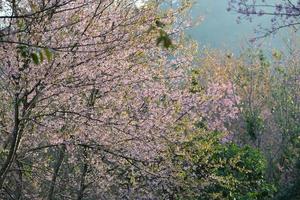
x=35, y=58
x=48, y=54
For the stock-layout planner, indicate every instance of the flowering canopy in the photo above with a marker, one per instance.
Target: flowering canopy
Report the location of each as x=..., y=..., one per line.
x=89, y=77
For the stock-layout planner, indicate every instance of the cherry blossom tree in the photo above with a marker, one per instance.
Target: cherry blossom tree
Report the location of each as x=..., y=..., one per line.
x=282, y=14
x=90, y=91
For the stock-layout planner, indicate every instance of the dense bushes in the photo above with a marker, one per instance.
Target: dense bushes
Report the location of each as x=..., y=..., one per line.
x=209, y=169
x=268, y=89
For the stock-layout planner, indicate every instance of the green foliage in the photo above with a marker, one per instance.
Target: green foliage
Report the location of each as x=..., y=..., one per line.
x=48, y=54
x=208, y=169
x=268, y=85
x=159, y=24
x=35, y=54
x=254, y=124
x=195, y=86
x=263, y=59
x=21, y=24
x=164, y=39
x=277, y=55
x=286, y=112
x=35, y=58
x=23, y=51
x=41, y=56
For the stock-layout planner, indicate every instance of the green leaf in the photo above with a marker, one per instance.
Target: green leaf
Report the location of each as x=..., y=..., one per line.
x=159, y=24
x=167, y=42
x=159, y=40
x=35, y=58
x=164, y=39
x=277, y=55
x=48, y=54
x=23, y=50
x=21, y=24
x=24, y=54
x=41, y=56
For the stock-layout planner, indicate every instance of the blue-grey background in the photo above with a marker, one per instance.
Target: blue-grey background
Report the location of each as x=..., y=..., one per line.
x=219, y=28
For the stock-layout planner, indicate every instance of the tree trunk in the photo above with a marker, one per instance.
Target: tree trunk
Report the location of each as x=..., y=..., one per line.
x=82, y=178
x=56, y=171
x=14, y=142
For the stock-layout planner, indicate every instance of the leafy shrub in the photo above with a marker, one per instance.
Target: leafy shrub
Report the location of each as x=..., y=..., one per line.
x=209, y=169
